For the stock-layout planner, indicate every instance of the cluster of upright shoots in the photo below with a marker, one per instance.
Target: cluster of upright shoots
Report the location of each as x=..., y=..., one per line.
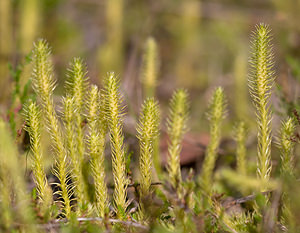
x=89, y=114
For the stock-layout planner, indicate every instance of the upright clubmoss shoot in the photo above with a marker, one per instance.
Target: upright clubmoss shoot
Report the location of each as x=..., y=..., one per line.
x=44, y=84
x=7, y=215
x=216, y=113
x=176, y=127
x=111, y=53
x=15, y=196
x=150, y=68
x=96, y=142
x=147, y=131
x=6, y=44
x=241, y=102
x=149, y=76
x=76, y=87
x=33, y=127
x=240, y=138
x=70, y=127
x=261, y=80
x=114, y=113
x=286, y=145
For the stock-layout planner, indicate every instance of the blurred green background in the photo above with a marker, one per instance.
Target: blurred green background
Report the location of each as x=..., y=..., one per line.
x=202, y=44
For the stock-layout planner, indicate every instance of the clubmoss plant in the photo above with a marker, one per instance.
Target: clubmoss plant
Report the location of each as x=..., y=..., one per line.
x=240, y=138
x=149, y=75
x=241, y=98
x=147, y=131
x=33, y=127
x=188, y=40
x=111, y=53
x=286, y=143
x=216, y=113
x=69, y=125
x=6, y=44
x=96, y=142
x=30, y=13
x=286, y=146
x=44, y=84
x=76, y=87
x=176, y=126
x=13, y=179
x=114, y=114
x=150, y=68
x=6, y=217
x=187, y=206
x=261, y=79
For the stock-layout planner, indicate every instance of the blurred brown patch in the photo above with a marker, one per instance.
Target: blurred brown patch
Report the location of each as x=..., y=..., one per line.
x=193, y=148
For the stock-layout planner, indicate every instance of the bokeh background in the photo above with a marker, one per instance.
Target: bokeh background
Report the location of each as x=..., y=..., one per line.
x=202, y=44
